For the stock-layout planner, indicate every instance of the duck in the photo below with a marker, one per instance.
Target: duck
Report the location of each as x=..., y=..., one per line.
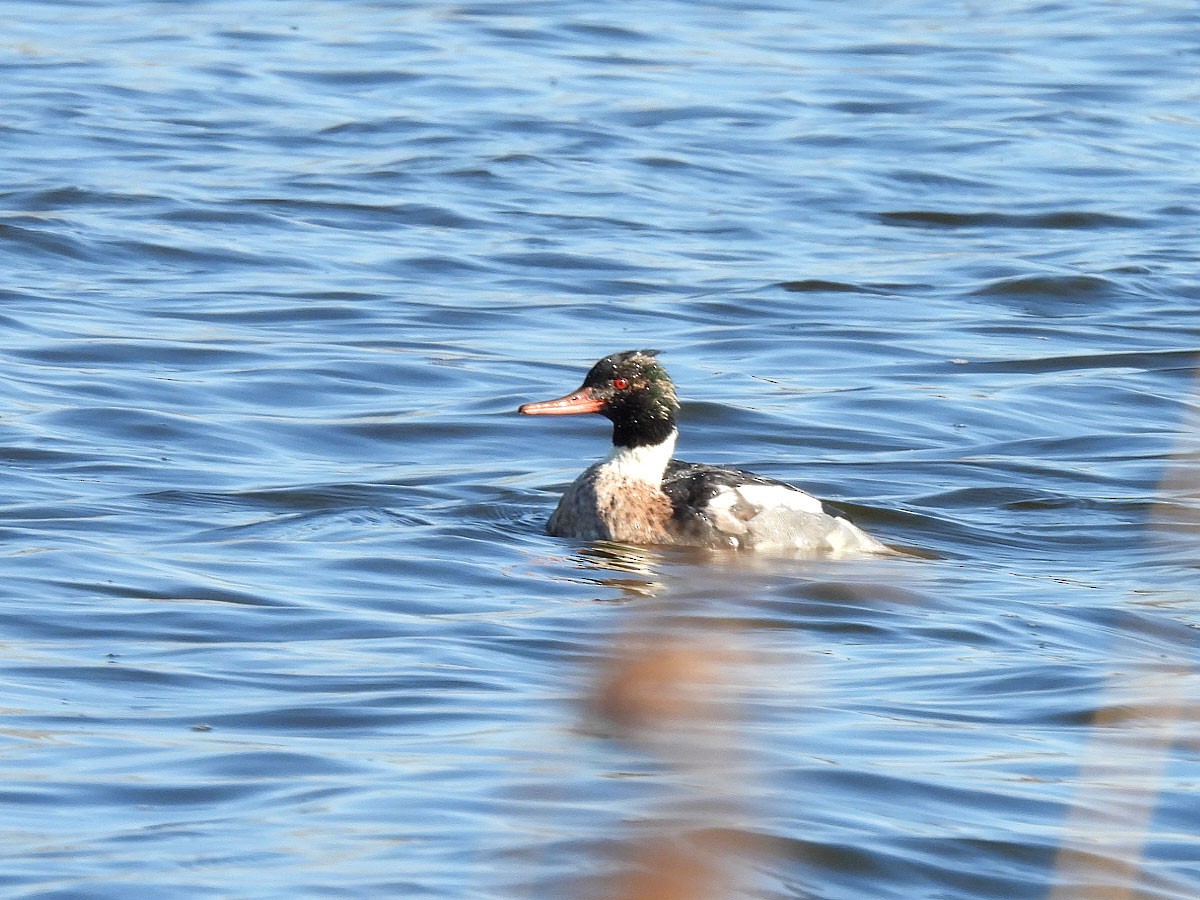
x=641, y=494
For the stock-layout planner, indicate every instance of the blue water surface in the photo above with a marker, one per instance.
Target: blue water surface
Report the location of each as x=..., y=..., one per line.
x=278, y=615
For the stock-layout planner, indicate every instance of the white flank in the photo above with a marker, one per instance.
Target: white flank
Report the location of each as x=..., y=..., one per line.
x=778, y=496
x=770, y=517
x=646, y=464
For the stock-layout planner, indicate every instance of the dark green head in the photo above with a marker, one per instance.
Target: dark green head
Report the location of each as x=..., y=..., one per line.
x=631, y=389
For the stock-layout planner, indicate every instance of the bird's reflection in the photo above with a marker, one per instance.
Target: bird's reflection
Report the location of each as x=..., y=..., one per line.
x=611, y=562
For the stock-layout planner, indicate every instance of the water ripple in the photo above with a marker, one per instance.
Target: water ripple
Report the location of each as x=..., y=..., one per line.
x=1066, y=219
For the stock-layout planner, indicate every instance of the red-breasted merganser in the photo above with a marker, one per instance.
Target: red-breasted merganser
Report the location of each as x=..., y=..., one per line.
x=638, y=494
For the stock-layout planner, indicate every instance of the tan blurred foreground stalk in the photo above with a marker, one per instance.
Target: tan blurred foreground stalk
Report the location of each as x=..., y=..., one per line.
x=669, y=869
x=672, y=695
x=1147, y=703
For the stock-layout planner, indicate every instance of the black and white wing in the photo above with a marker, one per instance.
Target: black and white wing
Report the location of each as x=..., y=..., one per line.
x=725, y=507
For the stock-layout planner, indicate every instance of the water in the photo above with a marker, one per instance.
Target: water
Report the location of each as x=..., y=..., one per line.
x=278, y=616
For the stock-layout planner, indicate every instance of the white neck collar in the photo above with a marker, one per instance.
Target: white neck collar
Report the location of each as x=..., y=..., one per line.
x=646, y=463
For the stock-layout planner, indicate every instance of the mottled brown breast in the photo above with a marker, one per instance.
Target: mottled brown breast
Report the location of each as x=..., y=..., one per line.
x=614, y=509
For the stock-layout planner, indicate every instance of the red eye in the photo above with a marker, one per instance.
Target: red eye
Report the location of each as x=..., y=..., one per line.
x=620, y=384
